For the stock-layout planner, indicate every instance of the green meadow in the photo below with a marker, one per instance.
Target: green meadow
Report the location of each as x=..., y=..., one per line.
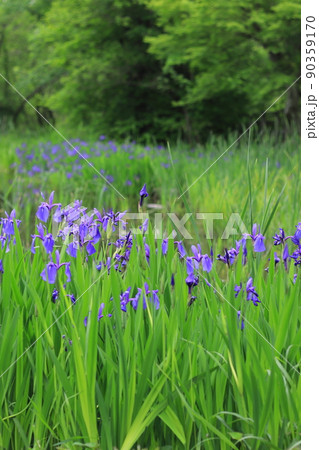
x=193, y=359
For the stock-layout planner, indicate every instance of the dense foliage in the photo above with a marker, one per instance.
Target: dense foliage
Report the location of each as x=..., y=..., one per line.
x=157, y=68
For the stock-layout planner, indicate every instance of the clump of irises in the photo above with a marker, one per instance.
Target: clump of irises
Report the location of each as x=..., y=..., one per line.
x=90, y=234
x=143, y=295
x=7, y=230
x=280, y=239
x=249, y=291
x=258, y=242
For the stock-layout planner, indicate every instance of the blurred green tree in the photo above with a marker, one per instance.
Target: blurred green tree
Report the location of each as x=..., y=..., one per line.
x=152, y=68
x=231, y=59
x=18, y=20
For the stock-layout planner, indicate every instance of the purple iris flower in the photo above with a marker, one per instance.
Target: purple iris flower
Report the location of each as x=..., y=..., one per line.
x=250, y=292
x=165, y=246
x=259, y=245
x=225, y=258
x=244, y=246
x=125, y=298
x=154, y=296
x=115, y=219
x=297, y=236
x=90, y=248
x=147, y=251
x=83, y=231
x=254, y=232
x=50, y=272
x=276, y=258
x=191, y=282
x=55, y=295
x=295, y=278
x=45, y=208
x=47, y=240
x=58, y=214
x=229, y=256
x=280, y=238
x=285, y=256
x=297, y=256
x=197, y=252
x=237, y=289
x=152, y=293
x=257, y=238
x=48, y=243
x=1, y=266
x=180, y=248
x=74, y=212
x=109, y=178
x=3, y=240
x=8, y=223
x=72, y=249
x=207, y=263
x=94, y=232
x=203, y=259
x=189, y=266
x=143, y=194
x=135, y=300
x=72, y=298
x=172, y=280
x=144, y=226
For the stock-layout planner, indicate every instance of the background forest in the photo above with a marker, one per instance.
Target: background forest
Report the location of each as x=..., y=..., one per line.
x=146, y=69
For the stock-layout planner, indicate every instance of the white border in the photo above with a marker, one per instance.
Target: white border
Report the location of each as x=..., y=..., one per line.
x=310, y=221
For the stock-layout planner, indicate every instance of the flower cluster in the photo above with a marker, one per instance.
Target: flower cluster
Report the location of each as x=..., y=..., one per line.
x=91, y=234
x=230, y=255
x=198, y=258
x=7, y=231
x=144, y=295
x=281, y=239
x=45, y=208
x=258, y=239
x=251, y=294
x=47, y=239
x=49, y=158
x=50, y=272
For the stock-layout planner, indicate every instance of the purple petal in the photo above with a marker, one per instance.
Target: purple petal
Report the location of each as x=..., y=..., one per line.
x=259, y=245
x=67, y=272
x=72, y=249
x=48, y=243
x=43, y=213
x=207, y=263
x=165, y=246
x=49, y=273
x=90, y=249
